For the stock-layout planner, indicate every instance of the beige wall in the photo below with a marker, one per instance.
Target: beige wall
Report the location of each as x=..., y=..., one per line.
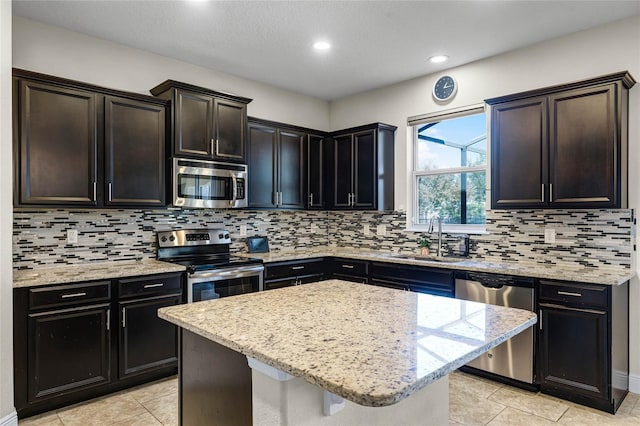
x=56, y=51
x=607, y=49
x=6, y=211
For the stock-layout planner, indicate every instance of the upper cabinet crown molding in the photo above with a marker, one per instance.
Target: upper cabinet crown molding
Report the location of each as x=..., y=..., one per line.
x=623, y=77
x=173, y=84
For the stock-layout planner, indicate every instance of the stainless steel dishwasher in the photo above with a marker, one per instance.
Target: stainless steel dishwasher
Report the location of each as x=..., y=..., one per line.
x=514, y=357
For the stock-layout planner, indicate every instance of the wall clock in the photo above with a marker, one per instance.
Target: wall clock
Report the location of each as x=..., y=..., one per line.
x=445, y=88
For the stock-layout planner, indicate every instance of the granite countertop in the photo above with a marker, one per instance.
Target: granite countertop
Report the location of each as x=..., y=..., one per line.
x=90, y=272
x=578, y=273
x=371, y=345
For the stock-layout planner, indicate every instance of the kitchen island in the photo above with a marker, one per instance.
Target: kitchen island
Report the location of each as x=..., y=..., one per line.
x=357, y=353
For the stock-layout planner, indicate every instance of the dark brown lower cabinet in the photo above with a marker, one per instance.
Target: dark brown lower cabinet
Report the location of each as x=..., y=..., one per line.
x=74, y=342
x=70, y=350
x=146, y=341
x=583, y=350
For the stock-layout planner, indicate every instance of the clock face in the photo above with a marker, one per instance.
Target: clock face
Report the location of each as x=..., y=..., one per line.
x=444, y=88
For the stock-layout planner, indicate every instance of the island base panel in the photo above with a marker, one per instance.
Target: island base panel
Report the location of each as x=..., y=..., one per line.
x=215, y=383
x=296, y=402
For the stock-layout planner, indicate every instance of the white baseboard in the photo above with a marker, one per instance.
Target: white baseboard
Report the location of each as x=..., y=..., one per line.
x=634, y=383
x=10, y=420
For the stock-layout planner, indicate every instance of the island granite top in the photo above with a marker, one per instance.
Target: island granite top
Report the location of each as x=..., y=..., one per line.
x=90, y=272
x=371, y=345
x=565, y=272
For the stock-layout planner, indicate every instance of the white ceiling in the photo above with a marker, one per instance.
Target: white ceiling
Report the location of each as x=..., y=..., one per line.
x=375, y=43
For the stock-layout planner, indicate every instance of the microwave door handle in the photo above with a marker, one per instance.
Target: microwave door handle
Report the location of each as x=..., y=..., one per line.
x=234, y=184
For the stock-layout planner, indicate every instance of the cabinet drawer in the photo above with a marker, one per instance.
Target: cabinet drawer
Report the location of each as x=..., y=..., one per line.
x=350, y=267
x=71, y=294
x=153, y=284
x=294, y=269
x=574, y=293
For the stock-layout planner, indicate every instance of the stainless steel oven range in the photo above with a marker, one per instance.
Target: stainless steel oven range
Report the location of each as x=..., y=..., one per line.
x=212, y=272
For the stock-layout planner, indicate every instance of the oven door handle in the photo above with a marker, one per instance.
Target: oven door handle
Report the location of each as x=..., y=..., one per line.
x=243, y=271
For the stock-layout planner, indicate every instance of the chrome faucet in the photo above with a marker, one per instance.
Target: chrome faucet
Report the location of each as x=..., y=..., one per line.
x=430, y=231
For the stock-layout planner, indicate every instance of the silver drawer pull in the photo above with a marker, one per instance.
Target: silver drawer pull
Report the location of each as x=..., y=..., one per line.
x=295, y=268
x=348, y=266
x=568, y=293
x=153, y=285
x=67, y=296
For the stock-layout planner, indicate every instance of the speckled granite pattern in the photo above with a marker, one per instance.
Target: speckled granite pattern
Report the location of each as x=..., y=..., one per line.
x=90, y=272
x=575, y=272
x=371, y=345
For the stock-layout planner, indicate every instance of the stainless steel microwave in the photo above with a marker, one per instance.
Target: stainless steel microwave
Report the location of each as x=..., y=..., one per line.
x=209, y=184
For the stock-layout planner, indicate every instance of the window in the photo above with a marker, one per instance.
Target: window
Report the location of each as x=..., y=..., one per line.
x=449, y=170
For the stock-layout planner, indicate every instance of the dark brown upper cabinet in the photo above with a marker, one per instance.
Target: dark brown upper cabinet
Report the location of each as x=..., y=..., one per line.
x=80, y=145
x=286, y=166
x=359, y=169
x=205, y=124
x=562, y=146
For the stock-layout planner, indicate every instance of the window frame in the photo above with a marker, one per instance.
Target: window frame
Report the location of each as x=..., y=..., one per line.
x=415, y=174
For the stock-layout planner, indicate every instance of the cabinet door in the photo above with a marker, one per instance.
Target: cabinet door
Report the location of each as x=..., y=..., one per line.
x=262, y=167
x=519, y=161
x=365, y=173
x=342, y=171
x=291, y=169
x=315, y=172
x=584, y=144
x=58, y=145
x=134, y=152
x=68, y=350
x=147, y=342
x=574, y=350
x=193, y=125
x=230, y=122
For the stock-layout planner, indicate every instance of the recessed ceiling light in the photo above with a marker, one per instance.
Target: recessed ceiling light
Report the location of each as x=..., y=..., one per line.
x=438, y=59
x=321, y=45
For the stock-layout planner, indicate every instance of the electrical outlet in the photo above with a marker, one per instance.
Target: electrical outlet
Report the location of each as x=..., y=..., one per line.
x=549, y=236
x=381, y=230
x=72, y=236
x=365, y=230
x=243, y=230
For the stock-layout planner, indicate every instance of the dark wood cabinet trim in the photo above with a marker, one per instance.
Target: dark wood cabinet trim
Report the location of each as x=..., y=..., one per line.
x=358, y=129
x=269, y=123
x=168, y=84
x=623, y=76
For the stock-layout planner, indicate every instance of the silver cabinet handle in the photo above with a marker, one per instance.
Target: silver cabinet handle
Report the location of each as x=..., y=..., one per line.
x=153, y=285
x=348, y=266
x=124, y=318
x=543, y=192
x=110, y=192
x=67, y=296
x=311, y=199
x=297, y=268
x=541, y=319
x=95, y=190
x=569, y=293
x=108, y=319
x=349, y=200
x=551, y=193
x=213, y=150
x=353, y=200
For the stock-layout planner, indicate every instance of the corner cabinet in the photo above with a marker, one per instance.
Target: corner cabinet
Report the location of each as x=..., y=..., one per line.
x=79, y=145
x=583, y=343
x=360, y=168
x=286, y=166
x=206, y=124
x=562, y=146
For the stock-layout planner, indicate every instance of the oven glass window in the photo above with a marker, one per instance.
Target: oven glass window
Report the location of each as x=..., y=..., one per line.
x=205, y=187
x=223, y=288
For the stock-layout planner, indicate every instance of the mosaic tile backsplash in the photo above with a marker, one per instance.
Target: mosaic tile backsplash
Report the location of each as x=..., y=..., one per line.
x=586, y=237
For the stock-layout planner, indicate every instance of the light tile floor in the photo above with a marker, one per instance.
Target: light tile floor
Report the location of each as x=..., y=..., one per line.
x=472, y=400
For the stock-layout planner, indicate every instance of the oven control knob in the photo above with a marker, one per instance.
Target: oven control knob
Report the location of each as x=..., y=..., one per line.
x=163, y=239
x=172, y=238
x=226, y=236
x=220, y=236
